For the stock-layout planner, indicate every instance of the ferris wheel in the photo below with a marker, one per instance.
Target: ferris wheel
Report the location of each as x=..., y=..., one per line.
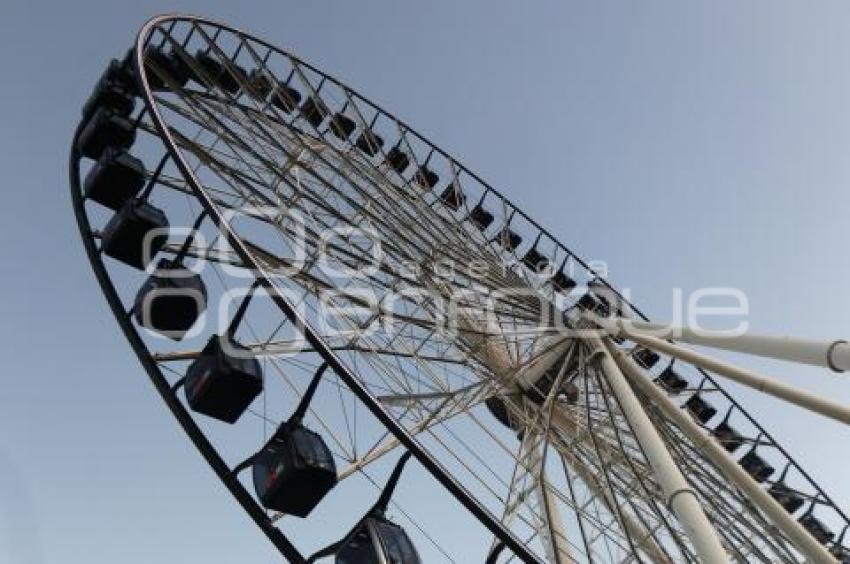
x=384, y=360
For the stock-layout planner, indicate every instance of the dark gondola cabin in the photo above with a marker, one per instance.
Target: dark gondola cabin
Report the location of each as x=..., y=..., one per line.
x=541, y=388
x=398, y=160
x=816, y=528
x=588, y=302
x=604, y=308
x=671, y=381
x=135, y=234
x=789, y=499
x=369, y=142
x=123, y=72
x=700, y=409
x=115, y=179
x=375, y=539
x=202, y=68
x=314, y=111
x=645, y=357
x=426, y=178
x=452, y=197
x=285, y=98
x=562, y=282
x=114, y=90
x=727, y=436
x=509, y=239
x=756, y=466
x=165, y=69
x=342, y=126
x=481, y=217
x=105, y=128
x=259, y=84
x=227, y=76
x=224, y=380
x=294, y=470
x=535, y=261
x=171, y=300
x=378, y=541
x=601, y=289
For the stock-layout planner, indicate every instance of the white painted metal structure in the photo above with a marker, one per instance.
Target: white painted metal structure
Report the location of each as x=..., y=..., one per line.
x=811, y=548
x=804, y=352
x=829, y=354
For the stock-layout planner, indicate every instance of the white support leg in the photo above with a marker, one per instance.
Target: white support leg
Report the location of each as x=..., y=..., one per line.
x=829, y=354
x=554, y=531
x=554, y=528
x=805, y=543
x=681, y=499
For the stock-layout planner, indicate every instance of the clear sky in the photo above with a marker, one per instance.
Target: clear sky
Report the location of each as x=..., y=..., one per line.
x=693, y=144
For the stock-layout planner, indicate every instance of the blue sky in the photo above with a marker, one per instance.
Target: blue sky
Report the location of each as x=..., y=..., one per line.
x=686, y=144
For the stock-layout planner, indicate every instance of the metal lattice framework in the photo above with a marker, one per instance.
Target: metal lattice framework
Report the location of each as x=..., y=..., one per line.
x=454, y=327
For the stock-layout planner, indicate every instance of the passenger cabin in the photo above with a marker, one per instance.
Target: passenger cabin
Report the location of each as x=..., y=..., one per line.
x=124, y=71
x=645, y=357
x=377, y=540
x=105, y=128
x=588, y=302
x=790, y=500
x=286, y=98
x=165, y=69
x=171, y=300
x=728, y=437
x=224, y=380
x=426, y=178
x=369, y=142
x=604, y=307
x=756, y=466
x=535, y=261
x=398, y=160
x=700, y=409
x=114, y=90
x=314, y=111
x=260, y=85
x=453, y=197
x=671, y=381
x=541, y=388
x=226, y=75
x=115, y=179
x=294, y=470
x=342, y=126
x=135, y=234
x=509, y=239
x=562, y=282
x=481, y=217
x=816, y=528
